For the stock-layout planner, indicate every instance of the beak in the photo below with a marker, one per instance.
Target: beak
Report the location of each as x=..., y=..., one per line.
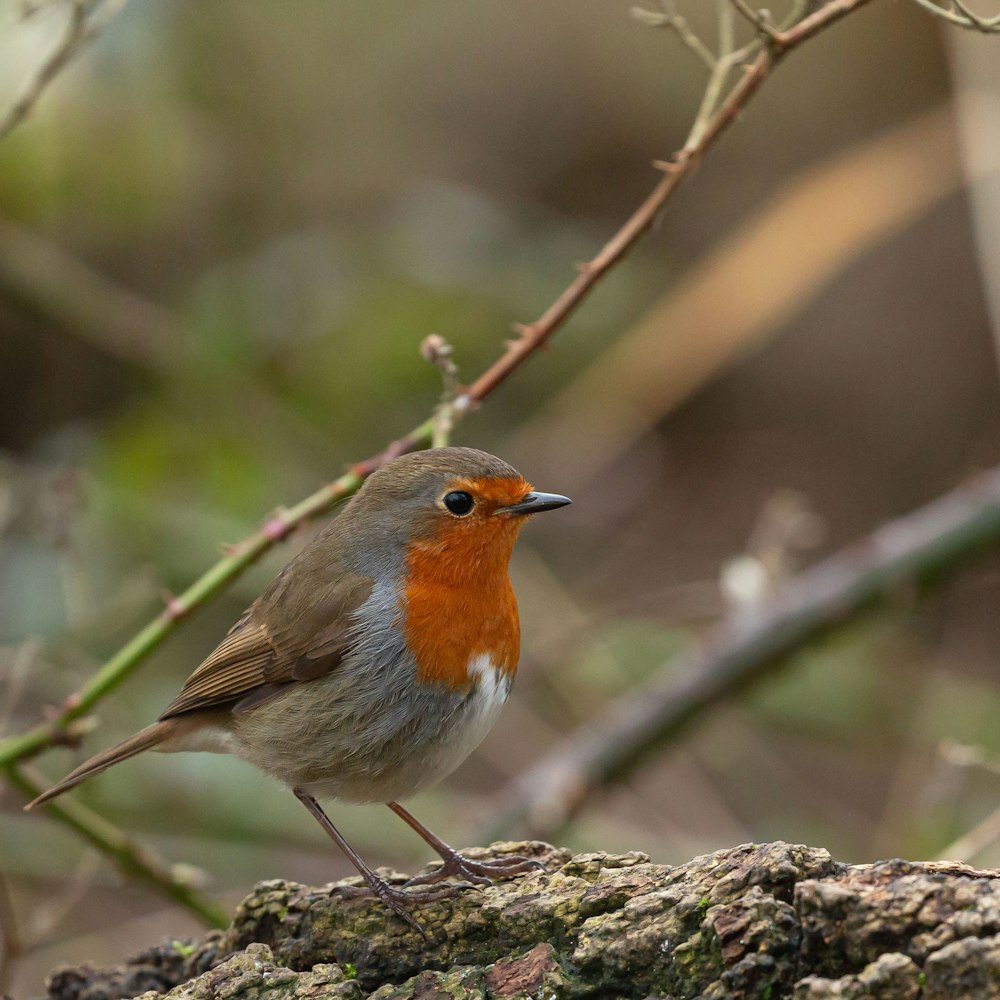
x=535, y=503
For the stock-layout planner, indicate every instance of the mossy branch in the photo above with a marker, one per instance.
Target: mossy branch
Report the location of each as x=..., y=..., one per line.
x=777, y=921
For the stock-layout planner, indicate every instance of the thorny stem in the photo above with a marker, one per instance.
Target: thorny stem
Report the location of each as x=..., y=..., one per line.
x=717, y=79
x=727, y=36
x=444, y=423
x=531, y=336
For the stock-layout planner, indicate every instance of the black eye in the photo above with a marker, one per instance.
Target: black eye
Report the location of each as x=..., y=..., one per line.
x=459, y=502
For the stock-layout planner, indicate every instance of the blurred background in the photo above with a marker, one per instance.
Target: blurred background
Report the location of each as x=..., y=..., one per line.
x=224, y=232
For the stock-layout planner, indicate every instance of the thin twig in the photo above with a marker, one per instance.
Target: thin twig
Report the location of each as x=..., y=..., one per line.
x=747, y=644
x=975, y=20
x=965, y=18
x=441, y=354
x=670, y=17
x=132, y=859
x=757, y=18
x=531, y=336
x=717, y=80
x=87, y=20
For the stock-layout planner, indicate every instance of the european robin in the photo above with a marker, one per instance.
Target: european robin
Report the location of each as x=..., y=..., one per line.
x=377, y=660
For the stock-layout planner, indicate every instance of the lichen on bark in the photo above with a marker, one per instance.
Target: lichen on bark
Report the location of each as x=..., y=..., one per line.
x=766, y=921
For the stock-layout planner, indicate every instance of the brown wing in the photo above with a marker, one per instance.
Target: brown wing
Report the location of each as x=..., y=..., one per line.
x=289, y=634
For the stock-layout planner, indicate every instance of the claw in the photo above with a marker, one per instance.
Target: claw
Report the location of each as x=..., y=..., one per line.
x=478, y=873
x=399, y=901
x=472, y=881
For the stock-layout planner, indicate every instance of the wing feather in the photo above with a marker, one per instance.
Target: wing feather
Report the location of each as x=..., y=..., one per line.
x=269, y=647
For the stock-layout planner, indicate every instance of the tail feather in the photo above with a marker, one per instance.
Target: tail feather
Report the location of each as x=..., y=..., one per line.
x=145, y=739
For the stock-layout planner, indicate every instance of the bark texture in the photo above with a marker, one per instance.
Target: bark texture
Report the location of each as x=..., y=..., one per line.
x=767, y=921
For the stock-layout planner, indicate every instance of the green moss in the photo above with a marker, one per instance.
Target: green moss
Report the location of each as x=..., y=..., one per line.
x=594, y=925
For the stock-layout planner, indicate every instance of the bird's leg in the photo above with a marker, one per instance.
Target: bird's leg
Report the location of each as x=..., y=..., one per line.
x=395, y=899
x=456, y=864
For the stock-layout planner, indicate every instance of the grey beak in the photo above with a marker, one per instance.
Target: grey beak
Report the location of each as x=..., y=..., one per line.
x=535, y=503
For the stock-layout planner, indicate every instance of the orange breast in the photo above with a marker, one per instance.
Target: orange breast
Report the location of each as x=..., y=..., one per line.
x=459, y=601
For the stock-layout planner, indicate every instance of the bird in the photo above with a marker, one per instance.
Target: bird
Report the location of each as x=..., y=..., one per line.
x=376, y=661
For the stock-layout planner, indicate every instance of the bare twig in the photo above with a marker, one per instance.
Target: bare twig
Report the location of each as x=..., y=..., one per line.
x=758, y=18
x=669, y=17
x=747, y=644
x=729, y=59
x=726, y=304
x=531, y=336
x=87, y=19
x=962, y=16
x=440, y=353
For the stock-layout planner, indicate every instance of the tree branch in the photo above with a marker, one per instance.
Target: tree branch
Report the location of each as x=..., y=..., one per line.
x=747, y=644
x=87, y=20
x=531, y=336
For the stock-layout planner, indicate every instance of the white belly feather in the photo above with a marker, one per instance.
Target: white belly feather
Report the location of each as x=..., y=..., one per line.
x=491, y=686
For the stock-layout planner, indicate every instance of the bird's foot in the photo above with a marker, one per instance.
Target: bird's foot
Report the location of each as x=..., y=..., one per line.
x=399, y=900
x=477, y=873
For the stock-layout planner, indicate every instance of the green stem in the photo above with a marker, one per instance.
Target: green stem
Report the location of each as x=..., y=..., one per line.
x=133, y=860
x=242, y=555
